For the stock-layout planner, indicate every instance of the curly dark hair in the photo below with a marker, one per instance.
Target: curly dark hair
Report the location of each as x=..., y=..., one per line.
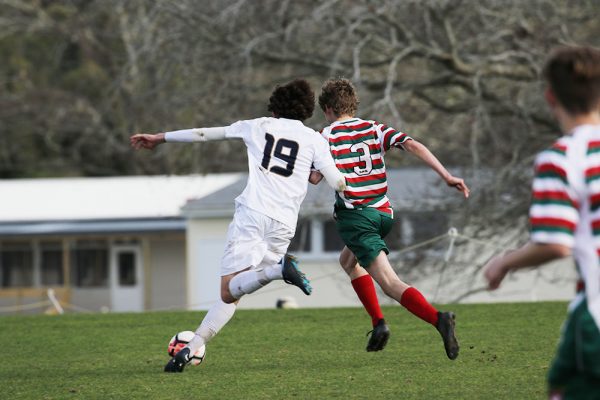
x=340, y=95
x=294, y=100
x=573, y=74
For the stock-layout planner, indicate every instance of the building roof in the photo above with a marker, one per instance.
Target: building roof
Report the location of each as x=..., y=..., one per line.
x=80, y=227
x=408, y=188
x=115, y=204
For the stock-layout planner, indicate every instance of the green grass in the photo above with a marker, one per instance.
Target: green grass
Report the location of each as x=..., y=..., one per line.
x=281, y=354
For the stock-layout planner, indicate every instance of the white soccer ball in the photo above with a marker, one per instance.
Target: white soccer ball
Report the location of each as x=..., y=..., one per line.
x=286, y=302
x=179, y=341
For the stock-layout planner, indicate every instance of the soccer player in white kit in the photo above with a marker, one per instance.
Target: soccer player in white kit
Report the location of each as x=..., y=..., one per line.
x=281, y=153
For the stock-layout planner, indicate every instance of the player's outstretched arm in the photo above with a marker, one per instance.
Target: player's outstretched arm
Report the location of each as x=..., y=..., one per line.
x=427, y=156
x=146, y=141
x=196, y=135
x=530, y=255
x=150, y=141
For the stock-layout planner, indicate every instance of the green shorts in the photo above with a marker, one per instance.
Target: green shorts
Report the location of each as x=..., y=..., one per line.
x=363, y=232
x=576, y=366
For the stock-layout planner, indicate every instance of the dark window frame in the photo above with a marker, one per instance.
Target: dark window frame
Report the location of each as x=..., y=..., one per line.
x=90, y=264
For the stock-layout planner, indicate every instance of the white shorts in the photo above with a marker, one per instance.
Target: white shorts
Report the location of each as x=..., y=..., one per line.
x=254, y=240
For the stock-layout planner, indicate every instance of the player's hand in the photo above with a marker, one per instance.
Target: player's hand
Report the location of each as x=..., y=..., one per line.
x=459, y=184
x=315, y=177
x=146, y=141
x=494, y=271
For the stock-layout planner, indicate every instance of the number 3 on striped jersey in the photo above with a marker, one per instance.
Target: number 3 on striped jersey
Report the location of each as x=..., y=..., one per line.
x=285, y=150
x=365, y=157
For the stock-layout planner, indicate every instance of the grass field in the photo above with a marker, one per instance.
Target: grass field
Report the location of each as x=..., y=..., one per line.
x=281, y=354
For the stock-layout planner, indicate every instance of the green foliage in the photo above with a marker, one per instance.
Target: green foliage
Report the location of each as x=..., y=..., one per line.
x=275, y=354
x=88, y=79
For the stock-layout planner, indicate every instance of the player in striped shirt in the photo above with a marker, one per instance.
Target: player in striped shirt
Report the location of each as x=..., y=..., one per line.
x=281, y=151
x=364, y=214
x=565, y=217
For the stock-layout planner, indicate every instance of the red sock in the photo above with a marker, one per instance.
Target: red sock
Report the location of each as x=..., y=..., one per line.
x=414, y=302
x=365, y=289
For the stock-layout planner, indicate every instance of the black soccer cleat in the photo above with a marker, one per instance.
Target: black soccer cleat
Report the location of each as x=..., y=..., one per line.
x=379, y=336
x=177, y=363
x=293, y=276
x=445, y=327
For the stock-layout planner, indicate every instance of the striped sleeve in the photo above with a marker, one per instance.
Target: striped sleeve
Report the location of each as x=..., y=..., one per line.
x=554, y=211
x=389, y=137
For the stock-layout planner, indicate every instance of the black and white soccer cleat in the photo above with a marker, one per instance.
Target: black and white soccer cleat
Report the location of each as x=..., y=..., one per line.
x=178, y=363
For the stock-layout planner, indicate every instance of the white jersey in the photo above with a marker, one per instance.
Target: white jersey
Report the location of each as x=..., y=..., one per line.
x=281, y=153
x=565, y=205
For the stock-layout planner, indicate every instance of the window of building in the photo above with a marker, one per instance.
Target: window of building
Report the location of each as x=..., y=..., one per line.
x=302, y=240
x=16, y=264
x=90, y=263
x=126, y=266
x=332, y=242
x=51, y=263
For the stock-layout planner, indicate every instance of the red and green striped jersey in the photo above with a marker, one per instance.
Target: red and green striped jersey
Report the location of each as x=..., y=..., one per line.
x=358, y=146
x=565, y=206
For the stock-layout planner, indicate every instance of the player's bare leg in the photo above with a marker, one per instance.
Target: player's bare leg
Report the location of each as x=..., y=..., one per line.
x=350, y=265
x=409, y=297
x=226, y=292
x=365, y=290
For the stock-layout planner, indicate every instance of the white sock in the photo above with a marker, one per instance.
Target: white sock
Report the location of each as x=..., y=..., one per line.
x=274, y=272
x=214, y=320
x=248, y=282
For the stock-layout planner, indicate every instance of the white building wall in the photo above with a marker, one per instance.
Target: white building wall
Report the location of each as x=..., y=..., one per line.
x=331, y=287
x=205, y=245
x=168, y=273
x=93, y=299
